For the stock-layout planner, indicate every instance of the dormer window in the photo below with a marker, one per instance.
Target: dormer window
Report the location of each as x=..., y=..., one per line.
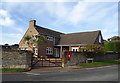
x=49, y=38
x=100, y=39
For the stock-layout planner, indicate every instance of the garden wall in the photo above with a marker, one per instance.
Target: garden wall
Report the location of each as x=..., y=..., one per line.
x=16, y=59
x=78, y=57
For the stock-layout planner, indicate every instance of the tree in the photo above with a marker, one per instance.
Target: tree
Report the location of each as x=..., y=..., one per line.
x=114, y=38
x=112, y=46
x=34, y=40
x=92, y=48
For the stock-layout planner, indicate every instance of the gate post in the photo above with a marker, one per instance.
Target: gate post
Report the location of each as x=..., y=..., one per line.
x=63, y=61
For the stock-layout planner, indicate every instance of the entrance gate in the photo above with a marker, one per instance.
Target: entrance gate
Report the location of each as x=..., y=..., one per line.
x=46, y=62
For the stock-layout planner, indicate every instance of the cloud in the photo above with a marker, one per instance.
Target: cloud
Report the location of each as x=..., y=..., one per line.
x=11, y=38
x=5, y=18
x=12, y=35
x=86, y=16
x=6, y=21
x=68, y=17
x=78, y=12
x=59, y=0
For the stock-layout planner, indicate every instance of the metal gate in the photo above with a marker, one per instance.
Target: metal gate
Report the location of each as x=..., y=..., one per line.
x=46, y=62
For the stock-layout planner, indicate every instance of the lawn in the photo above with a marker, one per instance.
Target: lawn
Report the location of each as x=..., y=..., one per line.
x=104, y=63
x=13, y=69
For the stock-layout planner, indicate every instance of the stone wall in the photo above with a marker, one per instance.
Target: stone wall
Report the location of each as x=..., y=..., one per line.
x=78, y=57
x=106, y=56
x=16, y=59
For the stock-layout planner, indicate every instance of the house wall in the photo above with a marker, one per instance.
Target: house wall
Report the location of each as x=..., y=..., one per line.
x=44, y=44
x=31, y=31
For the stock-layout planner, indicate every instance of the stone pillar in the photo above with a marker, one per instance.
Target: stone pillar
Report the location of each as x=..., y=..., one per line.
x=61, y=52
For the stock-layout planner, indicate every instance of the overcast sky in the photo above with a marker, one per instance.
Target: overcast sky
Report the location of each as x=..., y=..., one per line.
x=66, y=17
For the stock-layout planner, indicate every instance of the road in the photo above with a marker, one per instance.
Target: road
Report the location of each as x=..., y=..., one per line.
x=109, y=73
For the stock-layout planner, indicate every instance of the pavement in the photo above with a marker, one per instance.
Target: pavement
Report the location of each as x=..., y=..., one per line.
x=55, y=69
x=51, y=69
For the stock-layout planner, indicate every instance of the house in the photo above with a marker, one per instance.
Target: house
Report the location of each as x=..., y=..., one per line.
x=56, y=42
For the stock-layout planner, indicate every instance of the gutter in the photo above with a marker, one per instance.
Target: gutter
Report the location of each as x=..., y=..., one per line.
x=72, y=45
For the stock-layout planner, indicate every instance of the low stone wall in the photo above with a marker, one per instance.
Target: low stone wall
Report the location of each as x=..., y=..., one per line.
x=78, y=57
x=106, y=57
x=16, y=59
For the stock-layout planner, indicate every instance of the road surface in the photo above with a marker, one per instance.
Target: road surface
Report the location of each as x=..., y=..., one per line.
x=108, y=73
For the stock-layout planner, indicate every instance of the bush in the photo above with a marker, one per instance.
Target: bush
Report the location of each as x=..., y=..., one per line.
x=112, y=46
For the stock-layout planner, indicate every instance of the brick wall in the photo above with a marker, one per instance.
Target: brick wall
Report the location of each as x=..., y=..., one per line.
x=43, y=45
x=16, y=59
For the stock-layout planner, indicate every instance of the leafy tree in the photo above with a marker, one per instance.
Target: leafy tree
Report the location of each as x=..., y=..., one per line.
x=114, y=38
x=112, y=46
x=34, y=40
x=92, y=48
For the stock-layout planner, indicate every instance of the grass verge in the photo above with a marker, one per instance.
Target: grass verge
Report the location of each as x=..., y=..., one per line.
x=104, y=63
x=13, y=69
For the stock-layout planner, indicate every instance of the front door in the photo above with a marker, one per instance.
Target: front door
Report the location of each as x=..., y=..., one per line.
x=56, y=52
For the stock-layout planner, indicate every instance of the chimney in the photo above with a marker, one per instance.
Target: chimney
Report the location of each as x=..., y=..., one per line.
x=32, y=23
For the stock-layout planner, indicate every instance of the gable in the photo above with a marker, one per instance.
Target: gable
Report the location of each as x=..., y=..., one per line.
x=31, y=31
x=99, y=39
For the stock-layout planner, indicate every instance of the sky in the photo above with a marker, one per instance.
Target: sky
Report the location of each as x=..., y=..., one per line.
x=63, y=16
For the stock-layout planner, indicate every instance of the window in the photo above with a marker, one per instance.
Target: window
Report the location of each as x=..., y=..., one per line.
x=74, y=49
x=49, y=50
x=36, y=51
x=100, y=39
x=49, y=38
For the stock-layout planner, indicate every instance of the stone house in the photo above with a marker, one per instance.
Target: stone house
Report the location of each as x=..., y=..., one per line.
x=56, y=42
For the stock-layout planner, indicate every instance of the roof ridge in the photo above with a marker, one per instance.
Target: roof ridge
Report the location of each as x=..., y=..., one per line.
x=48, y=29
x=81, y=32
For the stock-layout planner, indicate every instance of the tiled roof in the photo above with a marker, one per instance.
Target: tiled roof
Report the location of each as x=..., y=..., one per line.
x=46, y=31
x=79, y=38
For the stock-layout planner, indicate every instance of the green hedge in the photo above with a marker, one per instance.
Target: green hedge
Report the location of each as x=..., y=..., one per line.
x=112, y=46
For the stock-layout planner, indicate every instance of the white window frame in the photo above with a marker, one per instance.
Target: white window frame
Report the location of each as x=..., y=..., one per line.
x=36, y=51
x=49, y=38
x=49, y=50
x=75, y=49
